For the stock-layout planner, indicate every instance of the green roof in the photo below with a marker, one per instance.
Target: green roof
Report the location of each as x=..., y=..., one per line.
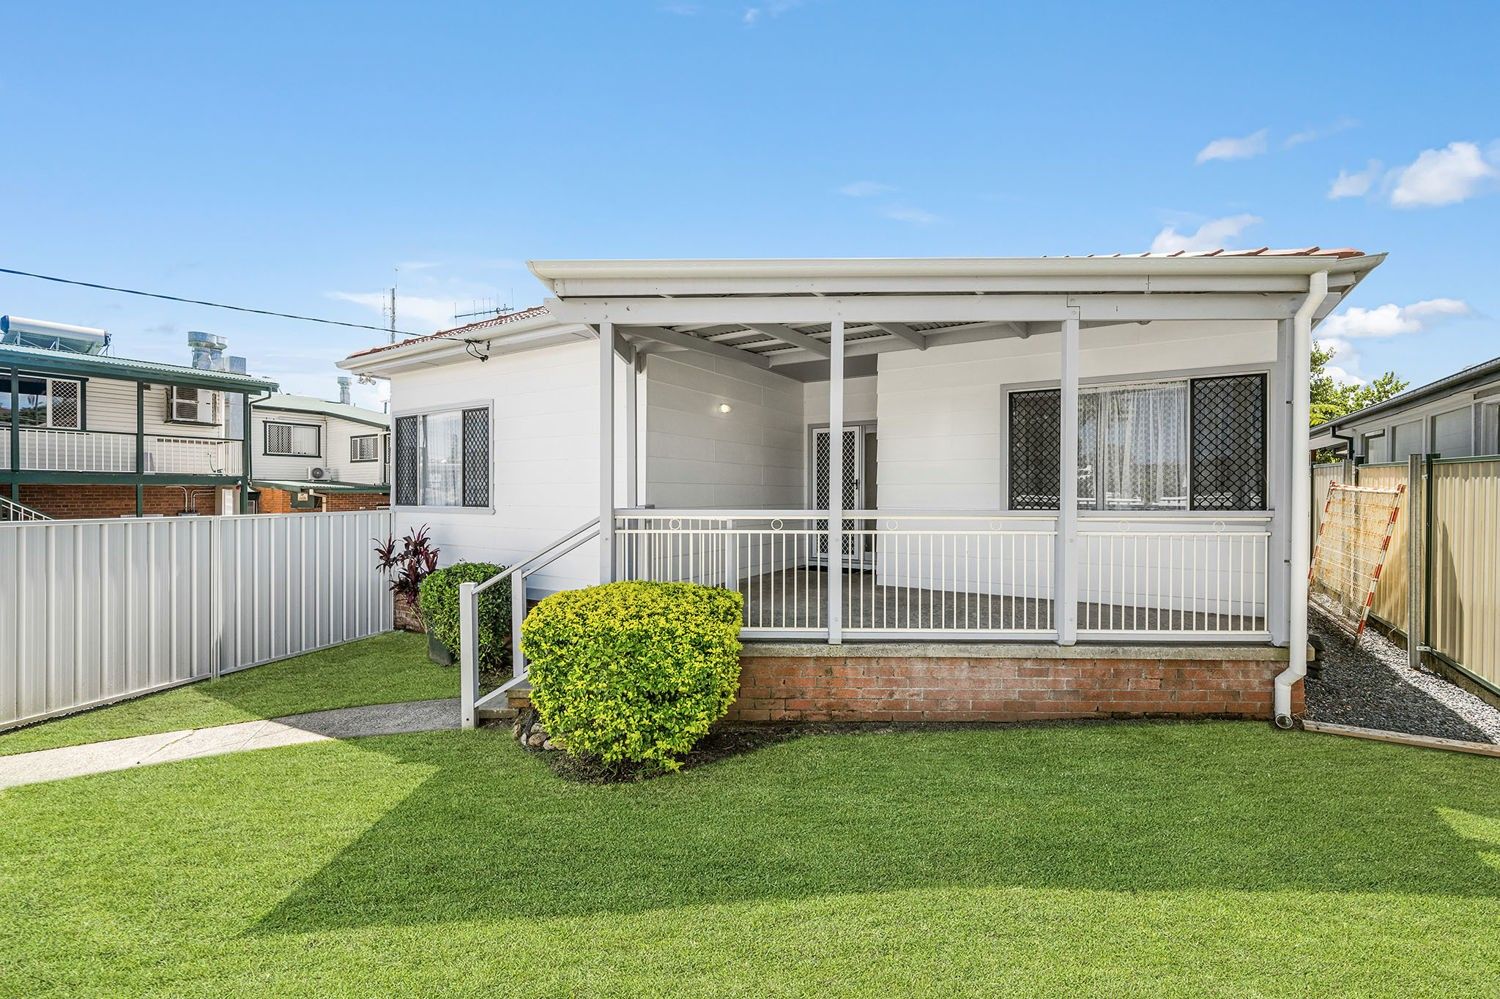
x=104, y=366
x=322, y=407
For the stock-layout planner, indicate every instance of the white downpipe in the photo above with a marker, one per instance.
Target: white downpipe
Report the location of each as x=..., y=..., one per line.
x=1300, y=523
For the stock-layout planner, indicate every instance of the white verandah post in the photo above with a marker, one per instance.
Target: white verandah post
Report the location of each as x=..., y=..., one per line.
x=1065, y=598
x=606, y=452
x=836, y=483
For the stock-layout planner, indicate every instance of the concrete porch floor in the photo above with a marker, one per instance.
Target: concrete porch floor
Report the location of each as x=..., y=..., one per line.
x=797, y=599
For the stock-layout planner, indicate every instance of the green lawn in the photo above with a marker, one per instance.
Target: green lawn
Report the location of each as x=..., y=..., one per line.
x=381, y=670
x=1140, y=860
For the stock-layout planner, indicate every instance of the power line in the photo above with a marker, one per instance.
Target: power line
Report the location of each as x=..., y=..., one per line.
x=199, y=301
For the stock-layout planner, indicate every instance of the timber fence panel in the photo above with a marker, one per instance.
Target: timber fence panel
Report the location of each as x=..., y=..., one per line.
x=102, y=610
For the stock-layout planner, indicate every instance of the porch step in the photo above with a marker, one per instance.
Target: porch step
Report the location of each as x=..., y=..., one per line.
x=516, y=699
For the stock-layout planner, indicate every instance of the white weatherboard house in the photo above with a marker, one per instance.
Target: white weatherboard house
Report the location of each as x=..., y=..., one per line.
x=948, y=488
x=315, y=453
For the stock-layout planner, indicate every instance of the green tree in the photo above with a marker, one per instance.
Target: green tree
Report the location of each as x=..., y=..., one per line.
x=1332, y=399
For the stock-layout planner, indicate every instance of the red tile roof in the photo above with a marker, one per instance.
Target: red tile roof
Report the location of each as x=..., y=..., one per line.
x=509, y=317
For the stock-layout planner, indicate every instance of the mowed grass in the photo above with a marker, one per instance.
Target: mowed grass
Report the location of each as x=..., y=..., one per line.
x=384, y=669
x=1116, y=860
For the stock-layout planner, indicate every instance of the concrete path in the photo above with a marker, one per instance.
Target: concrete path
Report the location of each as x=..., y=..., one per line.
x=292, y=730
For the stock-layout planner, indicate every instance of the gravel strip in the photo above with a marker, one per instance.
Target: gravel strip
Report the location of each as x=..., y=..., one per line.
x=1371, y=686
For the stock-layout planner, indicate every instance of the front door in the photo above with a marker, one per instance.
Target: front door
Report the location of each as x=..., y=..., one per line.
x=858, y=444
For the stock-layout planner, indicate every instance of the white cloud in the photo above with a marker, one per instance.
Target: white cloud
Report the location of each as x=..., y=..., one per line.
x=1442, y=176
x=865, y=189
x=1354, y=185
x=414, y=313
x=906, y=213
x=1210, y=235
x=775, y=8
x=1391, y=320
x=1241, y=148
x=1316, y=132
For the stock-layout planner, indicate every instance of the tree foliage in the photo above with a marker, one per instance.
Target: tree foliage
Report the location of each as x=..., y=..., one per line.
x=1332, y=399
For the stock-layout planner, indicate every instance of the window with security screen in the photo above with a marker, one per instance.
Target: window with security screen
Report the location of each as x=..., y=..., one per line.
x=293, y=440
x=1166, y=445
x=56, y=403
x=365, y=447
x=443, y=458
x=1229, y=443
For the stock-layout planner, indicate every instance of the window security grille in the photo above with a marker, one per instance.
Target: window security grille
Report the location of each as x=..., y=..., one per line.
x=1228, y=462
x=293, y=440
x=476, y=445
x=364, y=448
x=408, y=456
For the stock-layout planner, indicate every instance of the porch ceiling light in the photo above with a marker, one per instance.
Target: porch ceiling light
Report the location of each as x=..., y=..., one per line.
x=724, y=407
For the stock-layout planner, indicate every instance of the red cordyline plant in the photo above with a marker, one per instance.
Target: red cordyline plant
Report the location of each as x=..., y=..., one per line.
x=407, y=563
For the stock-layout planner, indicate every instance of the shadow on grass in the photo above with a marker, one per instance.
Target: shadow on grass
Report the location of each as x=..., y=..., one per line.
x=1219, y=807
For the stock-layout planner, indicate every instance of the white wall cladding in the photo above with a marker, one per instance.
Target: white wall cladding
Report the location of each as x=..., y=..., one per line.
x=544, y=445
x=697, y=456
x=941, y=411
x=101, y=610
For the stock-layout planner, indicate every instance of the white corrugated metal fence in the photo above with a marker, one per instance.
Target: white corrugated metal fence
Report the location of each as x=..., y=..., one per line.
x=99, y=610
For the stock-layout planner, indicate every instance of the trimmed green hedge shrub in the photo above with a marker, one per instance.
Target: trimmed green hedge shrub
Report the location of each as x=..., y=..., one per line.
x=633, y=672
x=439, y=604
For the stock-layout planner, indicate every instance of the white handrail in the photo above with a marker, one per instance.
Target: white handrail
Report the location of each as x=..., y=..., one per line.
x=13, y=511
x=468, y=611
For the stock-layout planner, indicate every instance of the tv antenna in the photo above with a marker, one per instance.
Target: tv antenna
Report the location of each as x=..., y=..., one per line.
x=482, y=308
x=388, y=309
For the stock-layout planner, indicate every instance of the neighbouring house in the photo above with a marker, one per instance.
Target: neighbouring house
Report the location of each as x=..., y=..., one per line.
x=84, y=433
x=948, y=489
x=1455, y=417
x=314, y=454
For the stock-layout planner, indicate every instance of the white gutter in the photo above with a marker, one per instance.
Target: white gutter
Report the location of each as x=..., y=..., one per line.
x=1301, y=522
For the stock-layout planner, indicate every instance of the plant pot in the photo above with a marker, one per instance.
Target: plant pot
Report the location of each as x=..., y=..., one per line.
x=438, y=652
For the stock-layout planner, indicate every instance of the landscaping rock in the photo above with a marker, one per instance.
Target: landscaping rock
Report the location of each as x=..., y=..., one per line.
x=1371, y=686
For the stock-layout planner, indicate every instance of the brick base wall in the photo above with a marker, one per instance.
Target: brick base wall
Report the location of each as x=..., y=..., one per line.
x=280, y=501
x=77, y=502
x=896, y=688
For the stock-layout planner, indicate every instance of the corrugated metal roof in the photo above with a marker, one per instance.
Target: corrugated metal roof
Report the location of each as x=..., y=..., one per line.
x=123, y=367
x=1464, y=377
x=323, y=407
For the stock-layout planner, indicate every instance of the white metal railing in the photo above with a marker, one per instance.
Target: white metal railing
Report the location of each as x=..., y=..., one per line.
x=906, y=574
x=193, y=456
x=46, y=450
x=468, y=610
x=12, y=511
x=43, y=449
x=1151, y=578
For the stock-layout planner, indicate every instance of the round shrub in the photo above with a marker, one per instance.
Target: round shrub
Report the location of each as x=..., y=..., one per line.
x=439, y=603
x=633, y=673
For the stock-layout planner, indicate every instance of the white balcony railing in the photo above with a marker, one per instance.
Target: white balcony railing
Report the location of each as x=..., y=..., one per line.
x=193, y=456
x=48, y=450
x=962, y=575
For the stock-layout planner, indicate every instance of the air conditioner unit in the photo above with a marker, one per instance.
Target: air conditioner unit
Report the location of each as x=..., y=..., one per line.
x=319, y=473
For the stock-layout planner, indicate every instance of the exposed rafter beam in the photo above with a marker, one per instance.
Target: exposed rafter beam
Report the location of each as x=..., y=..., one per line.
x=676, y=339
x=794, y=337
x=901, y=331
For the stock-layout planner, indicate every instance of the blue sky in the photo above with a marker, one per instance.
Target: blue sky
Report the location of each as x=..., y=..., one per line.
x=290, y=156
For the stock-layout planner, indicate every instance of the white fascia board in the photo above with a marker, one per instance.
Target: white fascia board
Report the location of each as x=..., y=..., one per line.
x=530, y=334
x=591, y=278
x=626, y=312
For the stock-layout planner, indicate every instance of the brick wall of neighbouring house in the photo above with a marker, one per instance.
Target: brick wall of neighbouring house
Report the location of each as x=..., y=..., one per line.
x=76, y=502
x=922, y=689
x=280, y=501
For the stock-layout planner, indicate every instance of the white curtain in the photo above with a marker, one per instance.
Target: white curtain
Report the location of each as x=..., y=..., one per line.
x=442, y=465
x=1133, y=448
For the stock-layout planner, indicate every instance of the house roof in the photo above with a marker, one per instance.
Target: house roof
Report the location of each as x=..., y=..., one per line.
x=458, y=332
x=1464, y=378
x=322, y=407
x=105, y=366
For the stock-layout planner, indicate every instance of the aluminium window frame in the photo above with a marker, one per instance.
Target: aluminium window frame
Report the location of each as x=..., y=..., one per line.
x=47, y=378
x=375, y=456
x=1265, y=370
x=265, y=439
x=488, y=405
